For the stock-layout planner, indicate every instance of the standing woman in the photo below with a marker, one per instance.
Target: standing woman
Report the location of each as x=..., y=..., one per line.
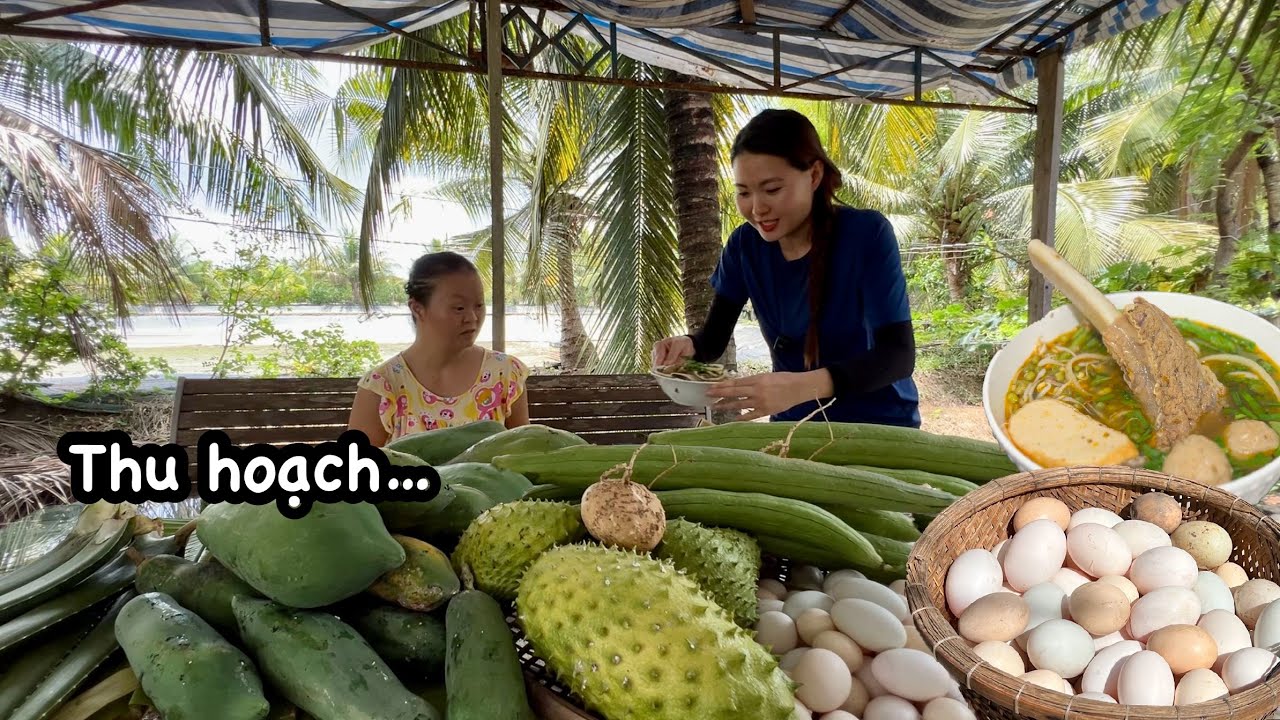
x=825, y=281
x=444, y=378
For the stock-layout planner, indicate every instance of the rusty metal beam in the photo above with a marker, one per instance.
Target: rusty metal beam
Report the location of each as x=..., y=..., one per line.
x=747, y=9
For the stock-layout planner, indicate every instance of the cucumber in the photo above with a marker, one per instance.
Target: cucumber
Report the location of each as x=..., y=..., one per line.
x=323, y=666
x=881, y=446
x=894, y=552
x=424, y=582
x=205, y=588
x=554, y=492
x=676, y=468
x=438, y=447
x=482, y=673
x=760, y=514
x=518, y=440
x=408, y=640
x=946, y=483
x=500, y=485
x=187, y=670
x=884, y=523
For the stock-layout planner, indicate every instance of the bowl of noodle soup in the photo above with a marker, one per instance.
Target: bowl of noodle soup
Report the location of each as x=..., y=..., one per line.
x=687, y=381
x=1062, y=357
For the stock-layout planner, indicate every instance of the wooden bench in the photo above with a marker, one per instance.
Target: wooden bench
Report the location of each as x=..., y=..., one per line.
x=603, y=409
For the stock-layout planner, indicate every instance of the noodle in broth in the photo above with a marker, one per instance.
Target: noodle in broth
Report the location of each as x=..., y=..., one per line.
x=1076, y=369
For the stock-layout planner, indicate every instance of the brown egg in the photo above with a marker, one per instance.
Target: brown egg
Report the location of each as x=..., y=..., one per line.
x=1184, y=647
x=999, y=616
x=1099, y=607
x=1158, y=509
x=1042, y=507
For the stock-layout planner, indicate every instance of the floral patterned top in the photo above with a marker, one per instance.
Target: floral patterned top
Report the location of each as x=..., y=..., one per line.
x=407, y=407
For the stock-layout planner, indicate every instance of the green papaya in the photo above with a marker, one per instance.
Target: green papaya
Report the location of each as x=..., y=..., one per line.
x=424, y=582
x=204, y=588
x=406, y=639
x=323, y=665
x=450, y=522
x=482, y=671
x=438, y=447
x=500, y=485
x=523, y=439
x=333, y=552
x=187, y=670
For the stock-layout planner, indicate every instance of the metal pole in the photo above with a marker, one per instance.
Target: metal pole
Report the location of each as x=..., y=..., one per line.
x=493, y=60
x=1044, y=194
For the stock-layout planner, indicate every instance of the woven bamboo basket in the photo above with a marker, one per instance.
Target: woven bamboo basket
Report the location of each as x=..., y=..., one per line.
x=982, y=519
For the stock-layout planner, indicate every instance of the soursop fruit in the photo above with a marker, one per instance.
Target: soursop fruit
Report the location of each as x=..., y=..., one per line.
x=723, y=562
x=501, y=542
x=634, y=638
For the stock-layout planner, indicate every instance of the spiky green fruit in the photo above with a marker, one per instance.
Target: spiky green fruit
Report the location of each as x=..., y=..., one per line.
x=724, y=562
x=502, y=541
x=634, y=638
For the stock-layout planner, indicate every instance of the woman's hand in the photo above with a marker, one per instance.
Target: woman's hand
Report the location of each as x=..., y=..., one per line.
x=771, y=393
x=672, y=350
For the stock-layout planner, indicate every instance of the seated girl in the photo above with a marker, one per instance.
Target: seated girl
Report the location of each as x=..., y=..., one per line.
x=444, y=378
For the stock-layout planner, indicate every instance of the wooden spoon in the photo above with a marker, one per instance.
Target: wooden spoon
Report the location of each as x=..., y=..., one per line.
x=1164, y=373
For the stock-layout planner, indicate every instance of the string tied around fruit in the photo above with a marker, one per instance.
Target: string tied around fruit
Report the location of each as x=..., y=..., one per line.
x=623, y=513
x=783, y=446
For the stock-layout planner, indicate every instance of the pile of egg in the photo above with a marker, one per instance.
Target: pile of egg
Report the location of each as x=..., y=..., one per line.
x=1140, y=611
x=850, y=646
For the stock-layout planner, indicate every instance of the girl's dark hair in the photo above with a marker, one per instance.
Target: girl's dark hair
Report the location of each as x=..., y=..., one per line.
x=427, y=271
x=789, y=135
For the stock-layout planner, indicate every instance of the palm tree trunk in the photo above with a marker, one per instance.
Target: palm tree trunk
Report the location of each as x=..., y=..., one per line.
x=577, y=352
x=1269, y=164
x=1225, y=204
x=691, y=137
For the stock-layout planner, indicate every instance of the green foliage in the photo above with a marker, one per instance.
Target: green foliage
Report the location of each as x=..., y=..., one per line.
x=957, y=337
x=43, y=324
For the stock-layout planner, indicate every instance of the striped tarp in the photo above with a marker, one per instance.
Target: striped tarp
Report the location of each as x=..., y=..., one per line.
x=872, y=48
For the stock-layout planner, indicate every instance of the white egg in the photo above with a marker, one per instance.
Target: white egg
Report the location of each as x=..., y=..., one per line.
x=838, y=715
x=1105, y=518
x=1103, y=671
x=1098, y=550
x=973, y=574
x=1047, y=602
x=777, y=631
x=1141, y=536
x=914, y=639
x=774, y=587
x=806, y=577
x=1213, y=593
x=840, y=644
x=1034, y=554
x=1002, y=656
x=1069, y=579
x=829, y=583
x=1163, y=567
x=858, y=697
x=1100, y=697
x=812, y=622
x=1228, y=632
x=874, y=592
x=801, y=712
x=1245, y=667
x=911, y=674
x=1101, y=642
x=765, y=606
x=945, y=708
x=1061, y=646
x=1000, y=549
x=1048, y=680
x=1145, y=679
x=888, y=707
x=1162, y=607
x=1197, y=686
x=799, y=601
x=1267, y=630
x=869, y=681
x=789, y=660
x=823, y=679
x=869, y=625
x=899, y=586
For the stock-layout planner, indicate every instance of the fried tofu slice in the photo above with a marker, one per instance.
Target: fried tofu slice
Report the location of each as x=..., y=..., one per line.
x=1055, y=434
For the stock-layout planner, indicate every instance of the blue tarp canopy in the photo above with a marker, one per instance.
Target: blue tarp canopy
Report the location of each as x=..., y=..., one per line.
x=981, y=49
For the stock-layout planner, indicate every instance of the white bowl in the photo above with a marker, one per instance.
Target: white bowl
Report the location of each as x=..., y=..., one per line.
x=686, y=392
x=1252, y=487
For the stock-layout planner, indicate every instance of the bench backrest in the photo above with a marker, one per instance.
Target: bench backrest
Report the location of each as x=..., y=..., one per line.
x=603, y=409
